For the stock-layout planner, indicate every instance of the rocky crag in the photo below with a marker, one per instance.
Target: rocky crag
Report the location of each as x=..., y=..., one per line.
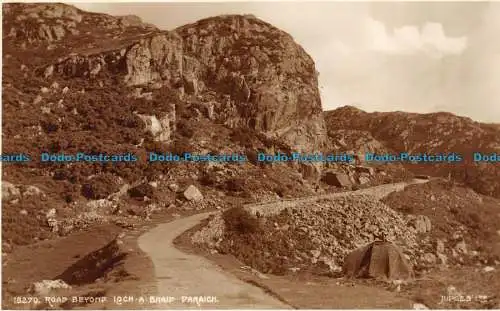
x=357, y=131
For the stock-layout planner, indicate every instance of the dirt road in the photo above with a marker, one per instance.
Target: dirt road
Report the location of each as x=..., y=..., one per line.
x=179, y=274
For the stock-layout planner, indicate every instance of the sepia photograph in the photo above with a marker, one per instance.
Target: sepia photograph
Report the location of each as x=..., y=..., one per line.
x=250, y=155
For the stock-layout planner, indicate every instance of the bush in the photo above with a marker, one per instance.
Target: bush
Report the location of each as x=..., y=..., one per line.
x=238, y=220
x=185, y=128
x=141, y=191
x=100, y=187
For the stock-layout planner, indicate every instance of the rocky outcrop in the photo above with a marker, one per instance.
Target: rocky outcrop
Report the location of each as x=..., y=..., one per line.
x=94, y=265
x=262, y=79
x=42, y=22
x=336, y=179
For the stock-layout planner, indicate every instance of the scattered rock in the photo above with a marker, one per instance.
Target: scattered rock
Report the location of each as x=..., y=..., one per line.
x=32, y=190
x=211, y=234
x=173, y=187
x=365, y=169
x=363, y=180
x=48, y=71
x=461, y=247
x=44, y=287
x=51, y=220
x=193, y=194
x=452, y=291
x=488, y=269
x=160, y=129
x=440, y=246
x=419, y=306
x=315, y=253
x=422, y=224
x=100, y=204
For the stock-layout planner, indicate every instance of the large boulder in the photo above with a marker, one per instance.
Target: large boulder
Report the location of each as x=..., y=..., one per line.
x=161, y=129
x=422, y=224
x=193, y=194
x=337, y=179
x=264, y=80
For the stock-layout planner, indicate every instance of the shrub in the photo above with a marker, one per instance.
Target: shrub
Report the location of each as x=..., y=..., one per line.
x=185, y=128
x=238, y=220
x=141, y=191
x=181, y=146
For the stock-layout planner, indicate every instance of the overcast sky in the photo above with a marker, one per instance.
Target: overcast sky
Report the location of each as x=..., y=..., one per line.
x=416, y=57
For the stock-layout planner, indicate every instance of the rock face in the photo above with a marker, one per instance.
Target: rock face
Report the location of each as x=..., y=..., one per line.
x=263, y=80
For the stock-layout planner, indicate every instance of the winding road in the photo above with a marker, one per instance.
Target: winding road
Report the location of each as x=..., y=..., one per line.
x=181, y=275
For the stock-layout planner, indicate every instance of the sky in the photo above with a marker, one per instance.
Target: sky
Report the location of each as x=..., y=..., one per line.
x=378, y=56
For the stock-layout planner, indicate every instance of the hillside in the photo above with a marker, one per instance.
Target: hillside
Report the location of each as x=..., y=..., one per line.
x=95, y=85
x=433, y=133
x=75, y=81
